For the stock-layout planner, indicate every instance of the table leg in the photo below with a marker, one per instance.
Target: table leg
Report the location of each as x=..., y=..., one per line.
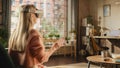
x=100, y=65
x=88, y=64
x=116, y=66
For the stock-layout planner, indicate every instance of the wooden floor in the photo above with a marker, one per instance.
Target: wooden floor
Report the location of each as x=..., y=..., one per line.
x=62, y=60
x=70, y=62
x=67, y=62
x=75, y=65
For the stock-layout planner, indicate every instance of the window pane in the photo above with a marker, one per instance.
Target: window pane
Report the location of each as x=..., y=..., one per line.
x=54, y=15
x=21, y=1
x=13, y=2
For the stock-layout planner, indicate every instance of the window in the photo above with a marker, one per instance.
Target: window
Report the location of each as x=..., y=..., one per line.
x=13, y=2
x=28, y=2
x=35, y=3
x=54, y=16
x=20, y=1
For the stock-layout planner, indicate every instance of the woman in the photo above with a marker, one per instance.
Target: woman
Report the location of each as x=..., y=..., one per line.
x=26, y=46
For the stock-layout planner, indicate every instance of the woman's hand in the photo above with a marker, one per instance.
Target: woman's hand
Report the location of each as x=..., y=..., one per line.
x=59, y=43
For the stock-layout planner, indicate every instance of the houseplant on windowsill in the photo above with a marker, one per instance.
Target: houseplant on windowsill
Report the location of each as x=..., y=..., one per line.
x=57, y=36
x=51, y=35
x=73, y=31
x=67, y=38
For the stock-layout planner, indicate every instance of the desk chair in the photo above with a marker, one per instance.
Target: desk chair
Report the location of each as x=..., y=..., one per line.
x=96, y=48
x=5, y=60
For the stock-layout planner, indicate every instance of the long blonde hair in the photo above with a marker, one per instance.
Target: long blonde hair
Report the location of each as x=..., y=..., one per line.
x=18, y=38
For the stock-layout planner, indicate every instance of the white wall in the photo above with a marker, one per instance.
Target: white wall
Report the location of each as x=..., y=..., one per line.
x=113, y=21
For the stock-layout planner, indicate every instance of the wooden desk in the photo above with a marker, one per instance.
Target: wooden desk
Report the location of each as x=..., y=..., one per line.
x=99, y=59
x=112, y=39
x=107, y=37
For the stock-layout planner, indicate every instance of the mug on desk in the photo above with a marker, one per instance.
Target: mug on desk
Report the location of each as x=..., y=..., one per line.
x=105, y=55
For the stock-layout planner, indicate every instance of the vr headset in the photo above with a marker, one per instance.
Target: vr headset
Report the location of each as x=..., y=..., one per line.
x=37, y=12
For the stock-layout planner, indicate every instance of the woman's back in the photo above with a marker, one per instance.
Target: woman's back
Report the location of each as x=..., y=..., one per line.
x=28, y=57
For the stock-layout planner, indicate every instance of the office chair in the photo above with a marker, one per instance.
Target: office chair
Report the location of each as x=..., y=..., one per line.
x=95, y=46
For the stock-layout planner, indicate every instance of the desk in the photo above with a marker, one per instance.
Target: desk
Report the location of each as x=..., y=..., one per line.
x=99, y=59
x=110, y=38
x=107, y=37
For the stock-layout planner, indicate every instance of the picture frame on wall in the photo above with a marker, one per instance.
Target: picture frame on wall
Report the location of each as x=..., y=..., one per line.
x=106, y=10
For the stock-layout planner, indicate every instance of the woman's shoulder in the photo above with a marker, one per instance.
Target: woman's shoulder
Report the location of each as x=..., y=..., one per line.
x=34, y=32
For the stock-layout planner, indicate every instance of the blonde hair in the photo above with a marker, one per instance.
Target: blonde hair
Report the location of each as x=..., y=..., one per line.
x=18, y=39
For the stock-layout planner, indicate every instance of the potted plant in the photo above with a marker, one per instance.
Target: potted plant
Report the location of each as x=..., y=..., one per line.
x=4, y=36
x=51, y=35
x=73, y=31
x=89, y=19
x=67, y=39
x=57, y=36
